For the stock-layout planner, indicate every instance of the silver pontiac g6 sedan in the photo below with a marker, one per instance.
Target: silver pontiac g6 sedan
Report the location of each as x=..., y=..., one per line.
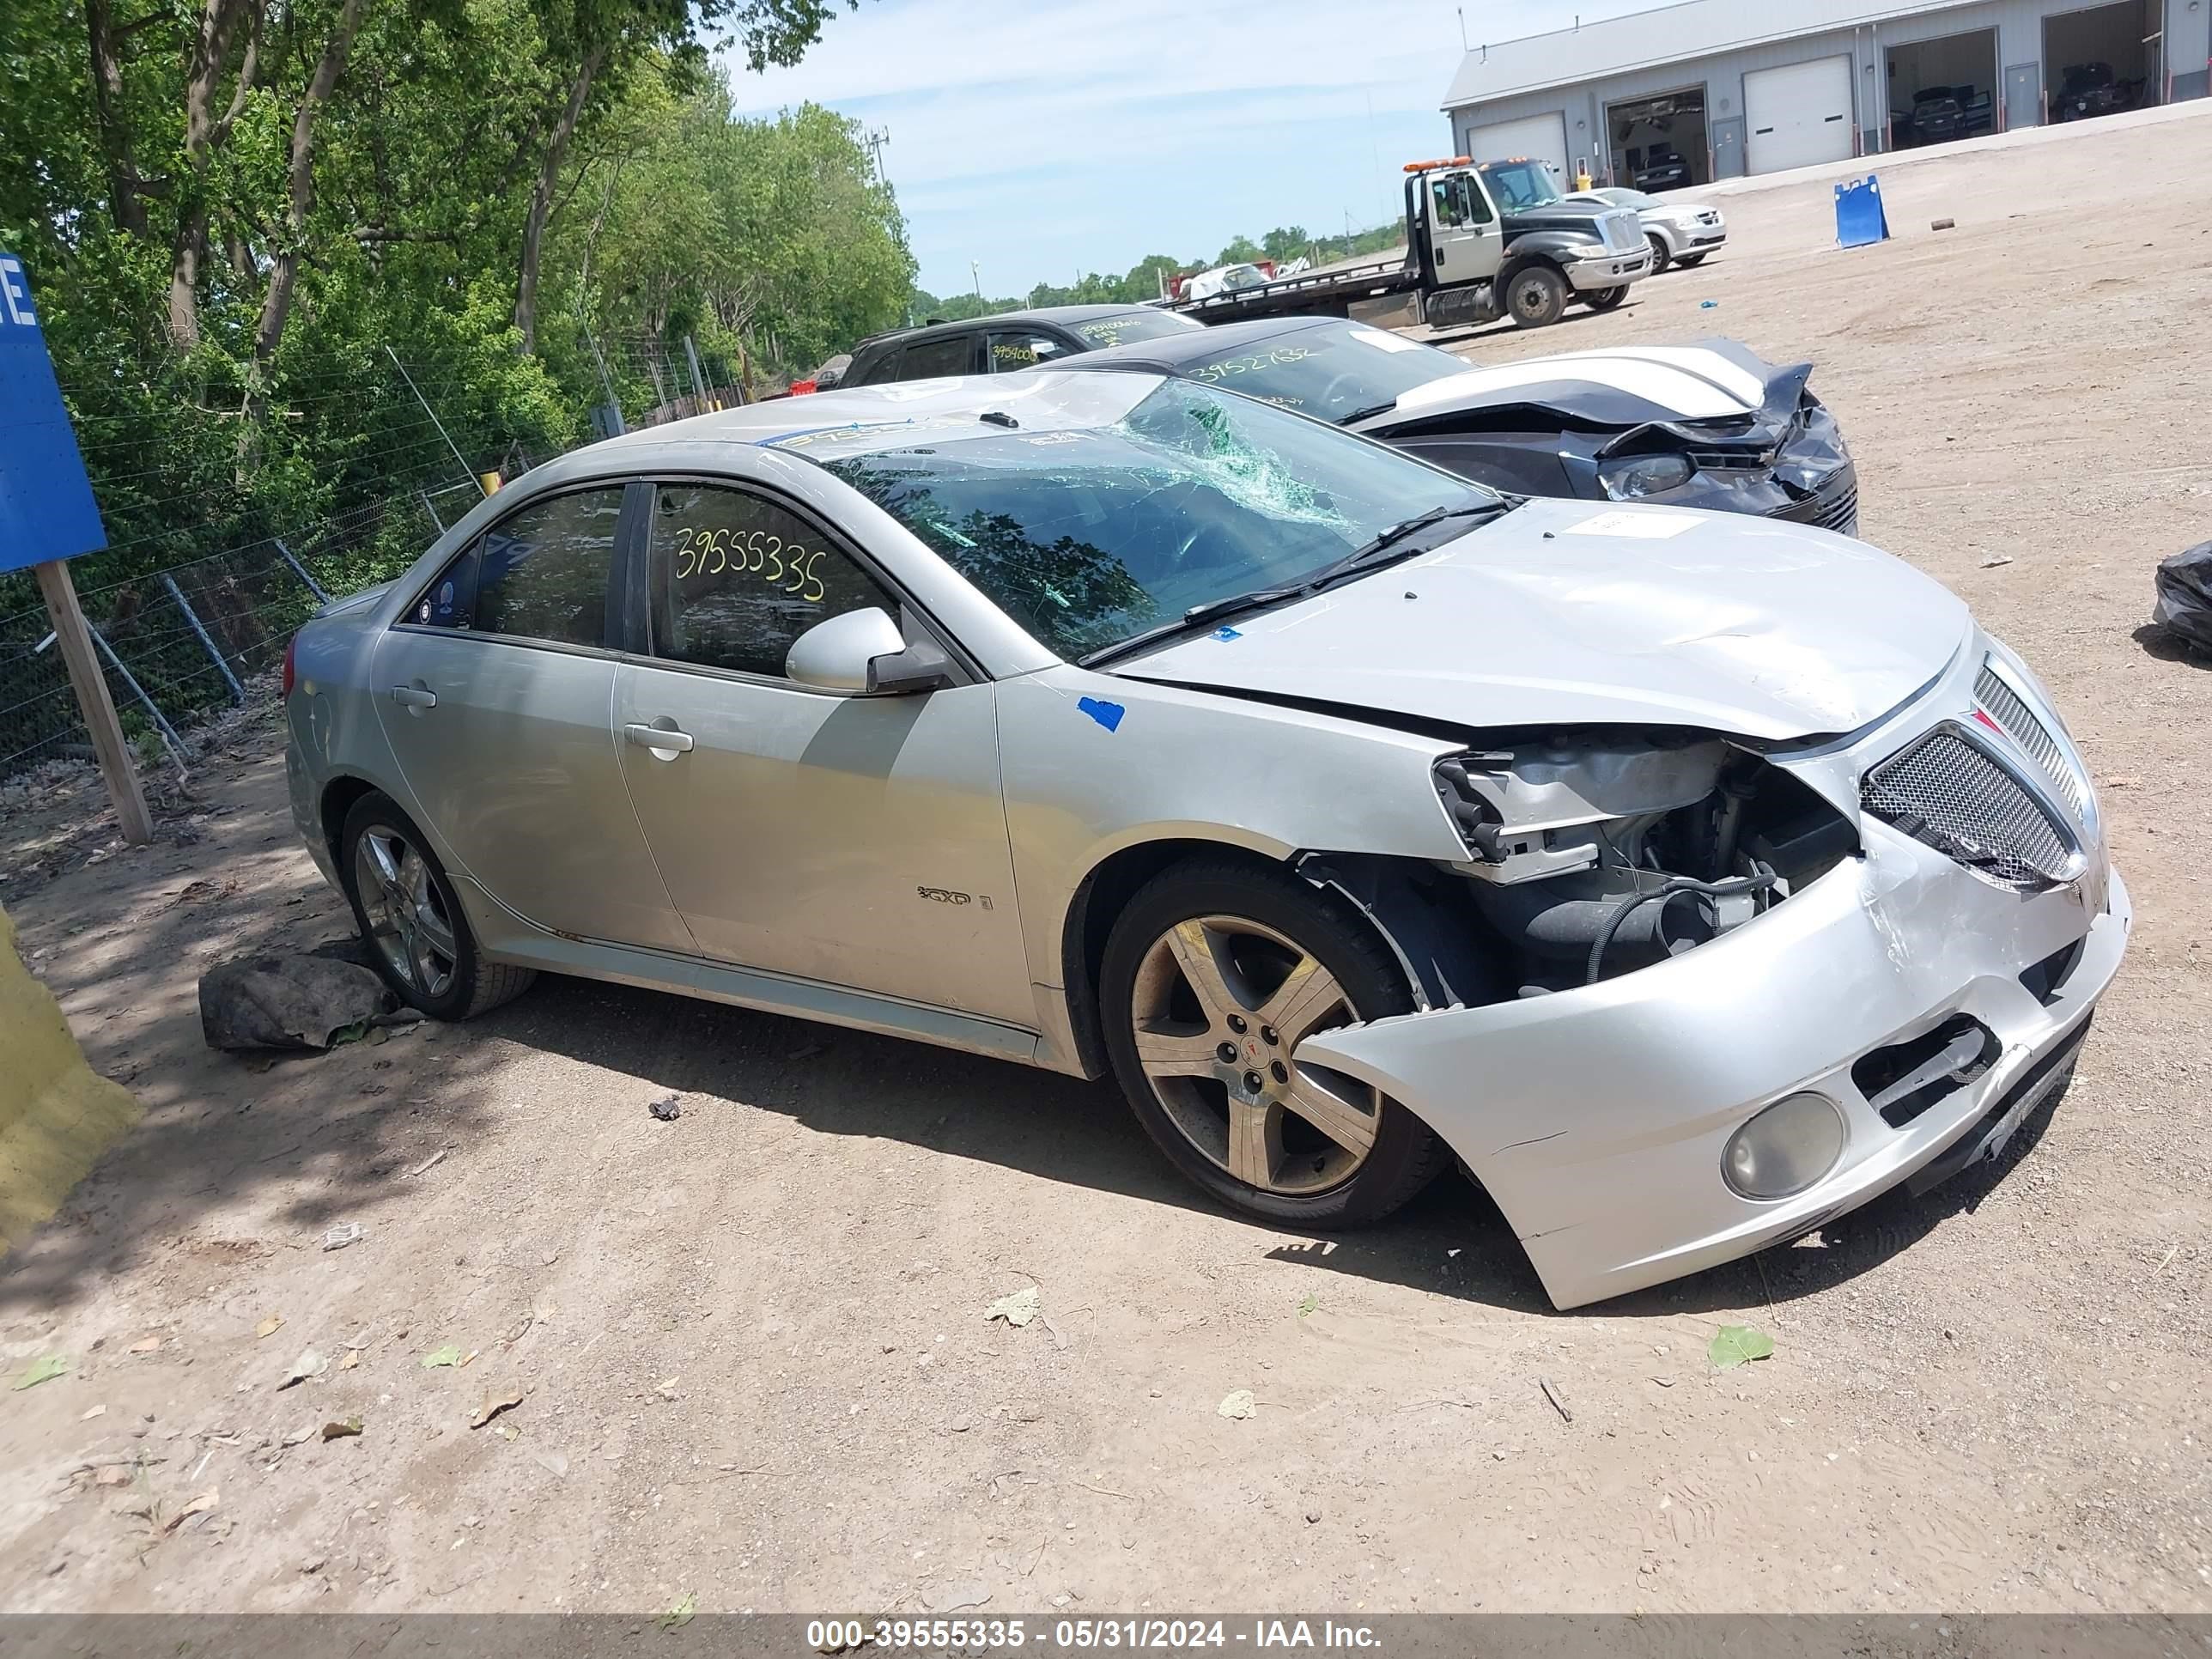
x=1691, y=878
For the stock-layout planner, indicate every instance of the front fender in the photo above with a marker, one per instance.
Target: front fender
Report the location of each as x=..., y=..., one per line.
x=1550, y=246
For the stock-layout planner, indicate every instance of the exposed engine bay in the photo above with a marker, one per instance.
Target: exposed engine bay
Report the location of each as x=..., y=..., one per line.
x=1591, y=855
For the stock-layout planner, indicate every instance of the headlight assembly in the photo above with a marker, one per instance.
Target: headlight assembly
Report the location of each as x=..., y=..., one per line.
x=1634, y=476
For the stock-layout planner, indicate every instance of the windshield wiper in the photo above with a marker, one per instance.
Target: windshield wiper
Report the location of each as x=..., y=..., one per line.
x=1389, y=543
x=1368, y=413
x=1360, y=558
x=1197, y=616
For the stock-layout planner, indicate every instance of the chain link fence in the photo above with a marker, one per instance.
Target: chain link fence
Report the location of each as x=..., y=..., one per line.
x=181, y=642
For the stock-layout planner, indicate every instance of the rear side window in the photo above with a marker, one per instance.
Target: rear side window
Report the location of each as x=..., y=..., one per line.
x=540, y=574
x=927, y=359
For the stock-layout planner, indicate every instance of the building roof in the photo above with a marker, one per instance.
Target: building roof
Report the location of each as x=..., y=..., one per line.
x=1670, y=34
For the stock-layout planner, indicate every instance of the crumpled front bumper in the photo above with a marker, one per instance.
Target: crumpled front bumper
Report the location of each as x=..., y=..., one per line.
x=1596, y=1118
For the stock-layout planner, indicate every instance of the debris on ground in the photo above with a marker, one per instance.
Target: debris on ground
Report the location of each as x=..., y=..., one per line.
x=1943, y=224
x=430, y=1162
x=2184, y=587
x=41, y=1370
x=448, y=1355
x=290, y=1003
x=147, y=1346
x=1994, y=560
x=1308, y=1302
x=308, y=1365
x=681, y=1614
x=344, y=1233
x=665, y=1109
x=344, y=1429
x=91, y=1411
x=1552, y=1394
x=1238, y=1403
x=269, y=1325
x=494, y=1404
x=201, y=1505
x=1709, y=305
x=1736, y=1345
x=1017, y=1310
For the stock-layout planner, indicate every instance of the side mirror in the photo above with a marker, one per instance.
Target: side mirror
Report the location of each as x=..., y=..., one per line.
x=864, y=651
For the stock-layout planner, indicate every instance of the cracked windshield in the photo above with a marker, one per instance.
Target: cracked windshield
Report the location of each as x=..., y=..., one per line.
x=1091, y=537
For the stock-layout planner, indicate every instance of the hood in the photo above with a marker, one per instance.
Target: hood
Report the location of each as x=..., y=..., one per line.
x=1635, y=386
x=1569, y=613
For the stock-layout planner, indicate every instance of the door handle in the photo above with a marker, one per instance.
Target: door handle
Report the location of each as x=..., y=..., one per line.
x=414, y=696
x=658, y=737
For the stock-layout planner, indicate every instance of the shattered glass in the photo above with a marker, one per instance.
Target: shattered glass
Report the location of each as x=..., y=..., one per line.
x=1089, y=536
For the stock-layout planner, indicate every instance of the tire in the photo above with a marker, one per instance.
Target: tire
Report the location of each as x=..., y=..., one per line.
x=1660, y=258
x=1535, y=295
x=1689, y=261
x=1604, y=299
x=1256, y=928
x=418, y=934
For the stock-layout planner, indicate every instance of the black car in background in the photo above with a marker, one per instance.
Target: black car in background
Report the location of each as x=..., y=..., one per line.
x=1000, y=344
x=2087, y=90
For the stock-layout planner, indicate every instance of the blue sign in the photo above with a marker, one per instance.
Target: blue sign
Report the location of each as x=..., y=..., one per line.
x=1860, y=220
x=46, y=509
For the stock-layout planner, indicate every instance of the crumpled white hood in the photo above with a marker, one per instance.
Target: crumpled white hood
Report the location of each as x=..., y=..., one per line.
x=1730, y=625
x=1696, y=383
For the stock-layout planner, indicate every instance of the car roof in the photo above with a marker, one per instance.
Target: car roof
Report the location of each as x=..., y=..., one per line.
x=1061, y=314
x=865, y=420
x=1175, y=350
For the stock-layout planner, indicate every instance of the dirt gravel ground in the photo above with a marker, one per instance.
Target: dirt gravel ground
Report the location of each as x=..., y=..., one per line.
x=751, y=1343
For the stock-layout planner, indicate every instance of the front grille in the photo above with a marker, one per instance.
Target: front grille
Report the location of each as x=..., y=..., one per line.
x=1954, y=795
x=2003, y=705
x=1834, y=505
x=1621, y=230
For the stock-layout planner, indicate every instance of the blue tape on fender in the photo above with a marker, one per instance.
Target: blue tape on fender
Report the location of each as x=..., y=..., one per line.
x=1108, y=714
x=46, y=509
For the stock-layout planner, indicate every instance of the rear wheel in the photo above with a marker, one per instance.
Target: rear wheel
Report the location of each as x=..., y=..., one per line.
x=1535, y=296
x=1215, y=974
x=1604, y=299
x=409, y=913
x=1690, y=259
x=1660, y=258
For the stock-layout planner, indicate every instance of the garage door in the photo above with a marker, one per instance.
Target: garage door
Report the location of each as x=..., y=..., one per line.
x=1543, y=137
x=1799, y=115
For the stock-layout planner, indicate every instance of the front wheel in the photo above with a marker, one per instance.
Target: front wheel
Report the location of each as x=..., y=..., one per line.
x=1689, y=260
x=1604, y=299
x=1217, y=971
x=1660, y=258
x=405, y=904
x=1535, y=296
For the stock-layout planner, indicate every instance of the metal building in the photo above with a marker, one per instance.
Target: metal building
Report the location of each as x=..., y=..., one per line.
x=1713, y=88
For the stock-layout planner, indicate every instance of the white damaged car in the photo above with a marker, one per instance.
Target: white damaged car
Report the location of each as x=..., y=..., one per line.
x=1688, y=878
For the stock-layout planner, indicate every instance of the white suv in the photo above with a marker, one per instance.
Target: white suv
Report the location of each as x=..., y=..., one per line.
x=1681, y=233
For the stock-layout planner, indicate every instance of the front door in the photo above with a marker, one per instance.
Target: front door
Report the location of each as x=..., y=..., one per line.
x=494, y=691
x=1727, y=148
x=2023, y=95
x=1465, y=237
x=858, y=841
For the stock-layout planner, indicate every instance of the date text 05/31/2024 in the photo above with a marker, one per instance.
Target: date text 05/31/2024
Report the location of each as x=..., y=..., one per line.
x=989, y=1635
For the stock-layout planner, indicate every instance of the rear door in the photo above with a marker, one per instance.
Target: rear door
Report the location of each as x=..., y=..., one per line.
x=854, y=840
x=1009, y=351
x=495, y=690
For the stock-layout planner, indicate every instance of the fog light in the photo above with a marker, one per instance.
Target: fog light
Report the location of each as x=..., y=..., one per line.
x=1785, y=1149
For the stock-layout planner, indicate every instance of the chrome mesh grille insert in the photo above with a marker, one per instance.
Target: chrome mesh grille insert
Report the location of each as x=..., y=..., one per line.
x=2003, y=705
x=1953, y=795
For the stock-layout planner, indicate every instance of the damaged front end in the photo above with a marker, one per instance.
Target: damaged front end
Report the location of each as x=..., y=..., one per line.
x=1781, y=458
x=1689, y=995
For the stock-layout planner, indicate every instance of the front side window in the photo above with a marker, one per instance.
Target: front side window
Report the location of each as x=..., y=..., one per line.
x=541, y=574
x=1013, y=349
x=1091, y=536
x=735, y=579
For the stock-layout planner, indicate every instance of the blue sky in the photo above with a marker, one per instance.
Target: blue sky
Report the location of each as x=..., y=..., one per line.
x=1041, y=138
